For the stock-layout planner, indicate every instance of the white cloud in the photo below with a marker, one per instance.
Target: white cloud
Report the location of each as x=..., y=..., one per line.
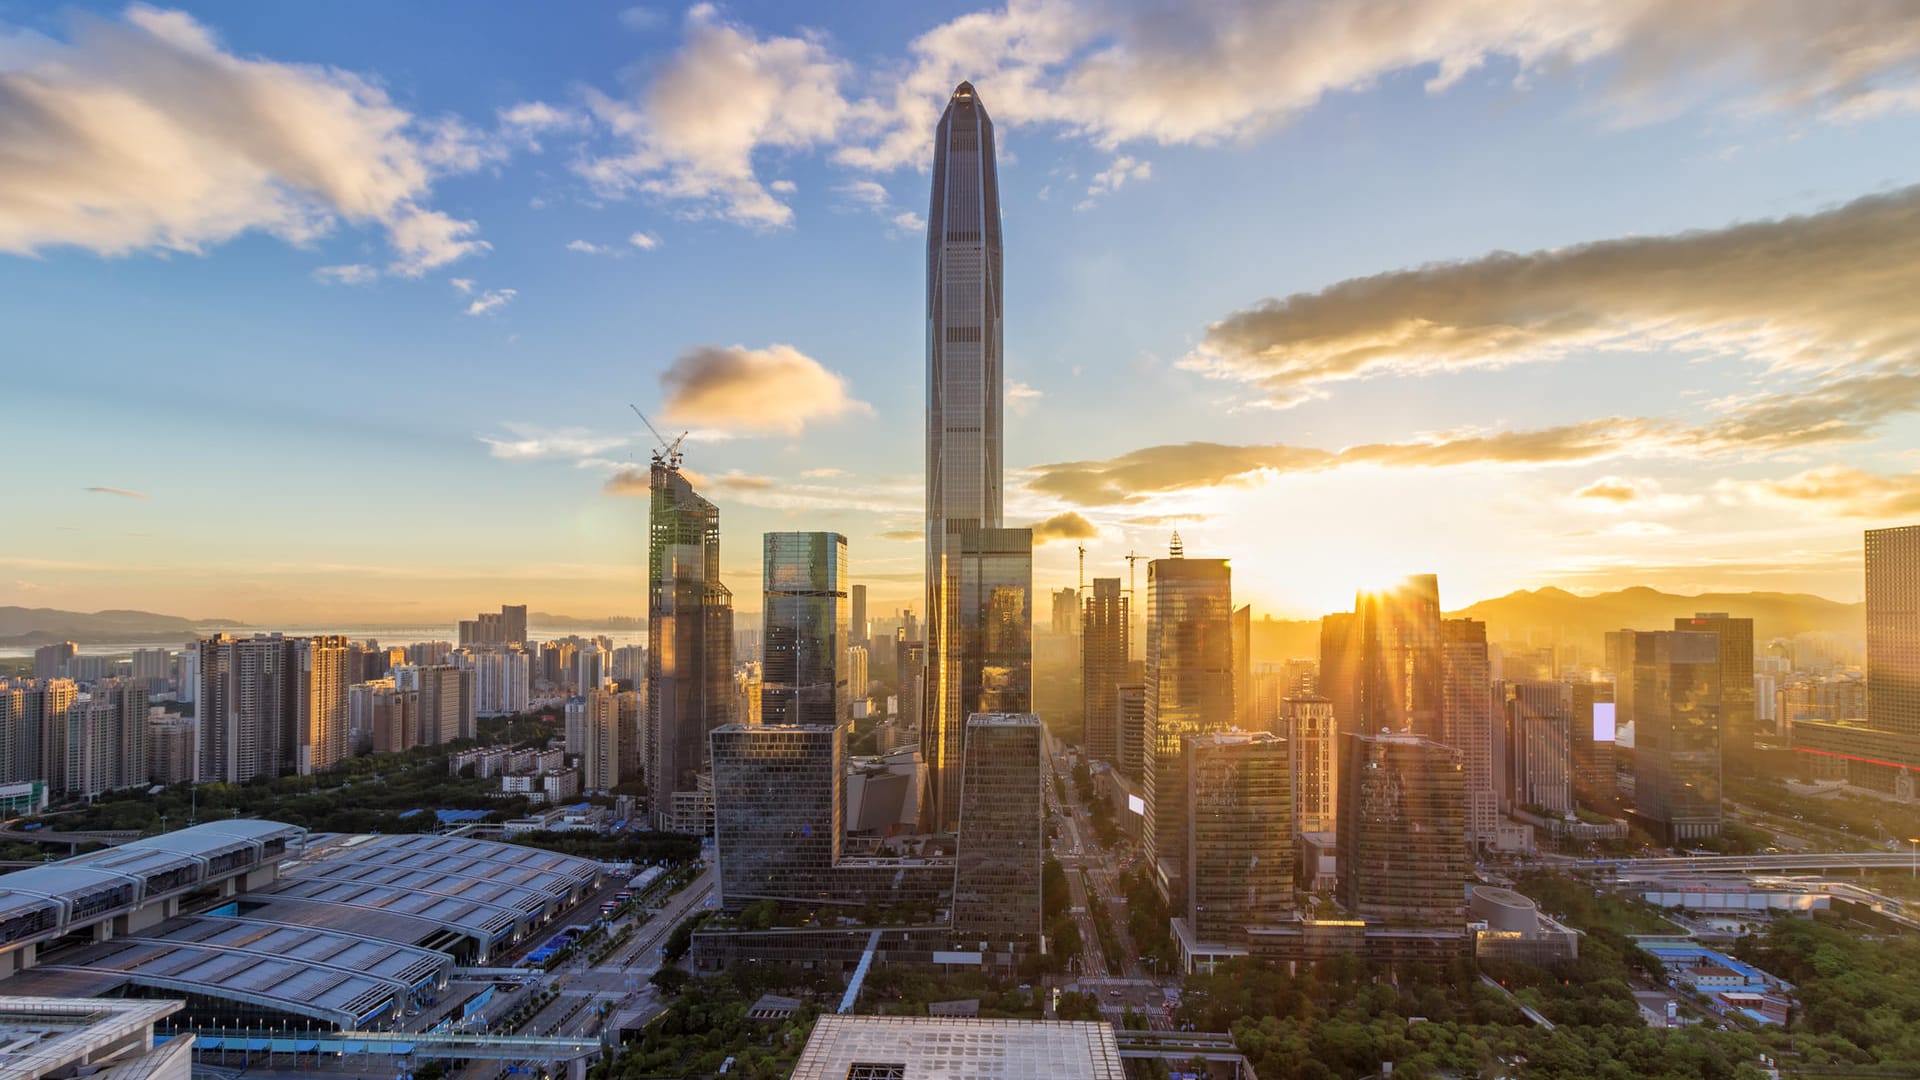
x=352, y=274
x=907, y=221
x=1021, y=397
x=587, y=247
x=465, y=285
x=641, y=19
x=693, y=130
x=872, y=196
x=145, y=133
x=491, y=300
x=532, y=442
x=1115, y=176
x=645, y=241
x=734, y=389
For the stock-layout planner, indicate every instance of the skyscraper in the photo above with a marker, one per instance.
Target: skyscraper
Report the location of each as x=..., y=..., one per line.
x=861, y=631
x=1676, y=733
x=1736, y=686
x=1403, y=848
x=777, y=811
x=1540, y=745
x=1243, y=696
x=320, y=710
x=246, y=707
x=803, y=677
x=689, y=636
x=100, y=744
x=986, y=663
x=965, y=394
x=1066, y=614
x=1311, y=740
x=1189, y=692
x=1593, y=745
x=996, y=889
x=1893, y=629
x=603, y=739
x=1103, y=666
x=1240, y=838
x=1400, y=657
x=1468, y=717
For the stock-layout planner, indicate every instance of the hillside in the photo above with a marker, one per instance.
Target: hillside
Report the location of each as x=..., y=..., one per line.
x=1544, y=615
x=39, y=626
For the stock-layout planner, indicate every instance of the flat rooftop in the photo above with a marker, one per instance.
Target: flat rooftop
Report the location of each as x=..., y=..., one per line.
x=930, y=1048
x=40, y=1036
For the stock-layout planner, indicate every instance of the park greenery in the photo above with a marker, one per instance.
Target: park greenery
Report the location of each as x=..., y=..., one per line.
x=707, y=1024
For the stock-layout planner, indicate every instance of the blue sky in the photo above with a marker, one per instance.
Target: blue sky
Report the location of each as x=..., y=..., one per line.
x=297, y=283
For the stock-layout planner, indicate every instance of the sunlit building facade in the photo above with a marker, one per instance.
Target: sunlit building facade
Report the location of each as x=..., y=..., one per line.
x=689, y=641
x=1240, y=833
x=996, y=891
x=1104, y=649
x=1402, y=836
x=1676, y=754
x=1189, y=692
x=805, y=629
x=987, y=662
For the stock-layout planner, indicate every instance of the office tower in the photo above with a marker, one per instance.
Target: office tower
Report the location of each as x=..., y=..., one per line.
x=1540, y=746
x=320, y=704
x=996, y=879
x=805, y=626
x=1619, y=664
x=1593, y=745
x=1312, y=739
x=859, y=677
x=446, y=705
x=247, y=707
x=1103, y=666
x=1736, y=687
x=1399, y=688
x=100, y=744
x=965, y=390
x=1339, y=673
x=170, y=749
x=861, y=630
x=1240, y=830
x=503, y=677
x=1243, y=697
x=600, y=759
x=979, y=653
x=777, y=811
x=1468, y=720
x=1066, y=612
x=910, y=659
x=689, y=636
x=1189, y=691
x=1402, y=835
x=51, y=661
x=1130, y=728
x=1676, y=732
x=746, y=693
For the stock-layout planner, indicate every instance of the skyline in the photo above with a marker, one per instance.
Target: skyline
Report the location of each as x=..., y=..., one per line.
x=1694, y=376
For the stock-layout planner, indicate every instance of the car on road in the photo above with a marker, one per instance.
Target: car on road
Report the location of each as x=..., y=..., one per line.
x=1113, y=993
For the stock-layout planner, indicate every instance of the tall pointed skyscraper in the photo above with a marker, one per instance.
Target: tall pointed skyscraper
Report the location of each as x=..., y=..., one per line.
x=979, y=575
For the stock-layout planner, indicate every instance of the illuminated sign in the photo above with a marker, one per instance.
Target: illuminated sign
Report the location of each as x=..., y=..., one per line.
x=1603, y=721
x=1136, y=804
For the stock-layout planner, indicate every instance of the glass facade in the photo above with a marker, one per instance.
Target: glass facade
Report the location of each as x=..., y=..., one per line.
x=1676, y=723
x=987, y=667
x=1103, y=666
x=1240, y=833
x=1189, y=689
x=1402, y=835
x=776, y=811
x=689, y=637
x=806, y=628
x=996, y=887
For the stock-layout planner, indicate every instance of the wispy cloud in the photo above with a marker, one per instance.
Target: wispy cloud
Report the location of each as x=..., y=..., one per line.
x=353, y=274
x=122, y=492
x=491, y=300
x=531, y=442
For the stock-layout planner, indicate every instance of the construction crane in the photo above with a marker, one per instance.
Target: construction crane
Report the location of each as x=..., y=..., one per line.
x=668, y=453
x=1133, y=605
x=1083, y=571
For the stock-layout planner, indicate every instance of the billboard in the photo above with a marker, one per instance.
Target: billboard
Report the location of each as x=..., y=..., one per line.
x=1603, y=721
x=1136, y=804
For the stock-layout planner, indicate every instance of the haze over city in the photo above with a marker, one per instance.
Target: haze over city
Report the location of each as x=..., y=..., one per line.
x=334, y=314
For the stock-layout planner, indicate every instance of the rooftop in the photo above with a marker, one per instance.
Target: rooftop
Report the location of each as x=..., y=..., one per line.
x=929, y=1048
x=40, y=1036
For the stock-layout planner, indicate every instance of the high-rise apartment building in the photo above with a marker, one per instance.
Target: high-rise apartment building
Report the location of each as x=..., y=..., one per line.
x=502, y=680
x=1468, y=720
x=1312, y=740
x=446, y=705
x=601, y=754
x=247, y=706
x=1540, y=746
x=170, y=756
x=1130, y=728
x=52, y=661
x=1402, y=836
x=508, y=627
x=965, y=405
x=1676, y=731
x=1104, y=650
x=689, y=637
x=996, y=881
x=320, y=705
x=1189, y=692
x=30, y=711
x=1240, y=833
x=1737, y=724
x=861, y=630
x=986, y=662
x=805, y=627
x=1066, y=613
x=777, y=811
x=100, y=743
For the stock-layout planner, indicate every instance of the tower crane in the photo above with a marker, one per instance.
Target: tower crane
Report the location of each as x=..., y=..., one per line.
x=668, y=453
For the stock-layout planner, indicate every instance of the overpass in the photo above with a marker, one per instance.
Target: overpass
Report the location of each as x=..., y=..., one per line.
x=248, y=1043
x=1173, y=1047
x=1752, y=864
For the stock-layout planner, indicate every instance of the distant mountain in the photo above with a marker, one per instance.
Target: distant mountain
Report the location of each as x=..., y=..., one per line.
x=1549, y=614
x=40, y=626
x=610, y=622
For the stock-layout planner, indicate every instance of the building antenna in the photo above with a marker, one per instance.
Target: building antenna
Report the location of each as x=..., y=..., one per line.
x=667, y=453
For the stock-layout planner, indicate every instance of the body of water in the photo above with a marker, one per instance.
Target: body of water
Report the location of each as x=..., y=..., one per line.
x=385, y=635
